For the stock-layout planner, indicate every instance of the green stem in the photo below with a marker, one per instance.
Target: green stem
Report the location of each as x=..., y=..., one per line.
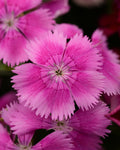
x=28, y=11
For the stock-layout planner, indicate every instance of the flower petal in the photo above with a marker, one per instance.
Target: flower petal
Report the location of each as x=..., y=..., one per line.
x=46, y=47
x=57, y=7
x=68, y=30
x=88, y=126
x=21, y=119
x=25, y=139
x=111, y=66
x=56, y=140
x=5, y=141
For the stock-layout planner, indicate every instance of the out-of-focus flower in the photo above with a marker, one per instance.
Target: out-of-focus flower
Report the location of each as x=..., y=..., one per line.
x=68, y=30
x=114, y=102
x=88, y=3
x=84, y=128
x=7, y=99
x=117, y=3
x=19, y=24
x=63, y=72
x=57, y=7
x=53, y=141
x=110, y=23
x=111, y=66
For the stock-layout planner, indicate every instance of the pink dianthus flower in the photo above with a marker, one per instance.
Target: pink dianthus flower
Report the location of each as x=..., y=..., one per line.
x=54, y=141
x=61, y=74
x=84, y=128
x=111, y=65
x=17, y=27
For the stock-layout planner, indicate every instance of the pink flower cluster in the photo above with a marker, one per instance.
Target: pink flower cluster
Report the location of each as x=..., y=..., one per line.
x=66, y=69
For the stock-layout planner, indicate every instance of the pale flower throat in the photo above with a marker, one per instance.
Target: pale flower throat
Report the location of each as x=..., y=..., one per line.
x=62, y=126
x=59, y=72
x=22, y=147
x=9, y=22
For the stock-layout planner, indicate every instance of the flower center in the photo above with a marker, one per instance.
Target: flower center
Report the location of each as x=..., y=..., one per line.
x=59, y=72
x=62, y=126
x=60, y=123
x=22, y=147
x=9, y=21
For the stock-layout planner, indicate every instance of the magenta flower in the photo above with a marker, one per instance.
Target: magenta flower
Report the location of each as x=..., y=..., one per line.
x=114, y=115
x=84, y=128
x=57, y=7
x=111, y=66
x=114, y=102
x=68, y=30
x=7, y=98
x=17, y=28
x=63, y=73
x=54, y=141
x=111, y=27
x=25, y=123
